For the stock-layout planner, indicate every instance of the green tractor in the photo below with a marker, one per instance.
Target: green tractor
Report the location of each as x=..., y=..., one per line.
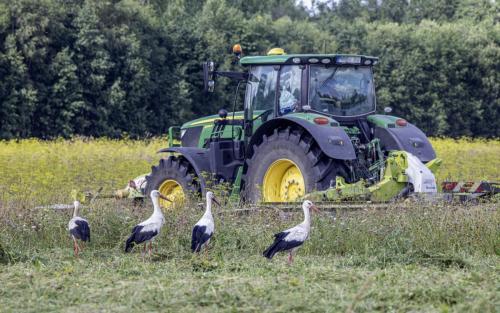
x=308, y=130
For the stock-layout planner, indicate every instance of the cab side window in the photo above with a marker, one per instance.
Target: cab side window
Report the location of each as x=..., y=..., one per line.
x=262, y=89
x=289, y=89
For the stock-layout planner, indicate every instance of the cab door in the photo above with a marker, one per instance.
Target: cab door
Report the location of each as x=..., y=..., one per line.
x=260, y=100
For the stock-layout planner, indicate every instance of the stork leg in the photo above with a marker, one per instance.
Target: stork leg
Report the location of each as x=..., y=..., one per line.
x=75, y=249
x=150, y=249
x=206, y=247
x=143, y=252
x=290, y=257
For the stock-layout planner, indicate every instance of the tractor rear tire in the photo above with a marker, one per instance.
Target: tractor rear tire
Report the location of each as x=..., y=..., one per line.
x=175, y=178
x=286, y=165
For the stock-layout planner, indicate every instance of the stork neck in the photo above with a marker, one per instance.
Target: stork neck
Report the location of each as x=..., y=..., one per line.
x=208, y=210
x=156, y=206
x=307, y=216
x=76, y=208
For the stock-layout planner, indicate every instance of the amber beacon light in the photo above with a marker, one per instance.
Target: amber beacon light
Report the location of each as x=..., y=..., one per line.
x=237, y=50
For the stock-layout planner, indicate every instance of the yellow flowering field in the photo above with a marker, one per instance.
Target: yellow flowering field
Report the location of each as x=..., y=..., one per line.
x=48, y=170
x=468, y=159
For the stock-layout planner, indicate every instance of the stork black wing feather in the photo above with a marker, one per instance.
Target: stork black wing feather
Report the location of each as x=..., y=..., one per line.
x=199, y=237
x=138, y=236
x=280, y=236
x=81, y=231
x=280, y=244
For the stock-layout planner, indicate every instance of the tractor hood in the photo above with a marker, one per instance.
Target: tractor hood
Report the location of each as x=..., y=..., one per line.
x=195, y=133
x=209, y=120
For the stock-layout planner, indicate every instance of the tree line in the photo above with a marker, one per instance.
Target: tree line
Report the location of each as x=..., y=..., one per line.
x=133, y=67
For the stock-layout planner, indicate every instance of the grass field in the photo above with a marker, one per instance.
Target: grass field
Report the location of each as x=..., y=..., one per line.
x=419, y=258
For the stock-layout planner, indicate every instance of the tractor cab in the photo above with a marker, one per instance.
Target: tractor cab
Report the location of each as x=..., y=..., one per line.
x=340, y=87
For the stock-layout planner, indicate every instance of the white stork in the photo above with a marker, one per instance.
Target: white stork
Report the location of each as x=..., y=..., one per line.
x=78, y=228
x=292, y=238
x=148, y=230
x=204, y=229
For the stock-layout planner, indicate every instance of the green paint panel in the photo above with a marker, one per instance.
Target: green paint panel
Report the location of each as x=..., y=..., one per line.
x=280, y=59
x=310, y=116
x=384, y=121
x=227, y=133
x=206, y=120
x=207, y=123
x=271, y=59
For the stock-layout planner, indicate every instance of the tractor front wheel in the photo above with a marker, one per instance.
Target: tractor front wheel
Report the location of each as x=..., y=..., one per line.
x=285, y=166
x=174, y=178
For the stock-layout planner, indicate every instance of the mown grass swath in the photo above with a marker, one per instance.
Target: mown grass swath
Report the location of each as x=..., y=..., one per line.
x=430, y=257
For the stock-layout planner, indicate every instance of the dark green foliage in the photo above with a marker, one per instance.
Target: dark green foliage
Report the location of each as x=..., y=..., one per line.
x=118, y=68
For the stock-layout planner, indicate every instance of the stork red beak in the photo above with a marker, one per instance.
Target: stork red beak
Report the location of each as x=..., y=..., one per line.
x=165, y=198
x=315, y=209
x=216, y=201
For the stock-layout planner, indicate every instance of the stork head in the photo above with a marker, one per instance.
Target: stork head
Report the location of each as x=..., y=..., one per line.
x=155, y=194
x=211, y=197
x=308, y=205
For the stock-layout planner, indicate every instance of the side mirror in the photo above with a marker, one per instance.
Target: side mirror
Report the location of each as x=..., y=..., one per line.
x=208, y=76
x=387, y=110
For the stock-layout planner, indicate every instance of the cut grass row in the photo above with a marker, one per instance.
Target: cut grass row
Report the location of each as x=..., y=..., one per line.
x=410, y=257
x=112, y=282
x=416, y=258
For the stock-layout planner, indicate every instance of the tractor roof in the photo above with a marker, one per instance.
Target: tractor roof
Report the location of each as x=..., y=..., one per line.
x=343, y=59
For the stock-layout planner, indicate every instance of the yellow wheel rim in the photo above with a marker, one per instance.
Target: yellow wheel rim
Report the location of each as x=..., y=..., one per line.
x=172, y=190
x=283, y=182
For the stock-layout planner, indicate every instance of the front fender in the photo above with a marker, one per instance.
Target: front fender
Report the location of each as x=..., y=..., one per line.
x=197, y=157
x=332, y=140
x=409, y=138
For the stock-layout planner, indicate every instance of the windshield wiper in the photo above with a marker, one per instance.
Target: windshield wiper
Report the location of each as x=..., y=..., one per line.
x=328, y=78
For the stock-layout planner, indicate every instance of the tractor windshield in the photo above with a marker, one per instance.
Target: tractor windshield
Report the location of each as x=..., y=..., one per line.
x=341, y=91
